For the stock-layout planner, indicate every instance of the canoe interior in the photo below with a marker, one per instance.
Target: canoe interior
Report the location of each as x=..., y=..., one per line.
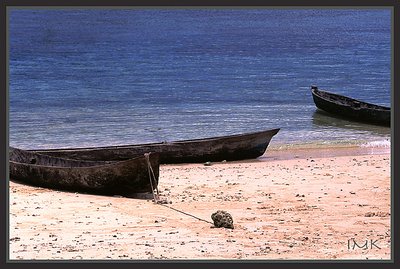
x=347, y=101
x=27, y=157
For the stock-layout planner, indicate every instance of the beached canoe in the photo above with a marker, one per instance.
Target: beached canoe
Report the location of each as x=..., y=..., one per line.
x=349, y=108
x=229, y=148
x=124, y=177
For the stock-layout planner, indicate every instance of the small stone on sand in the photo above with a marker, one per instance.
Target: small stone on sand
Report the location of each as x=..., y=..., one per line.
x=222, y=219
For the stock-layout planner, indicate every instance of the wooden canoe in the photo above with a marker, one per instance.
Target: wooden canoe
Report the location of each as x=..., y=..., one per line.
x=350, y=108
x=124, y=177
x=229, y=148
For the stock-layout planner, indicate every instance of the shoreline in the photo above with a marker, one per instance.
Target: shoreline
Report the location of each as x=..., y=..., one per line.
x=287, y=153
x=288, y=204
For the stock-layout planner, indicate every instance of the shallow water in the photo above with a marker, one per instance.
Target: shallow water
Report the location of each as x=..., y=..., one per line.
x=85, y=77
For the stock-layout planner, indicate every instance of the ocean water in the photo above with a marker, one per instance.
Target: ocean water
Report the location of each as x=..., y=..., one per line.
x=96, y=77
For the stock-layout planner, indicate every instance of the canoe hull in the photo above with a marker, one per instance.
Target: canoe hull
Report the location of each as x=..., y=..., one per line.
x=125, y=177
x=229, y=148
x=351, y=109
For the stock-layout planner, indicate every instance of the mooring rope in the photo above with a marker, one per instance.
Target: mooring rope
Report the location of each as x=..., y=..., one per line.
x=151, y=177
x=180, y=211
x=156, y=197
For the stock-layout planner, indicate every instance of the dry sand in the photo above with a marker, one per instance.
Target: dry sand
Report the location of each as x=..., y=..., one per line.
x=301, y=208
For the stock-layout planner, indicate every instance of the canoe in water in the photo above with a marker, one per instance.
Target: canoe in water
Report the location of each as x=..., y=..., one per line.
x=350, y=108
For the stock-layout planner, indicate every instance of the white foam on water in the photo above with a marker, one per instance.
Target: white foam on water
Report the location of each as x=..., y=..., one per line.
x=377, y=144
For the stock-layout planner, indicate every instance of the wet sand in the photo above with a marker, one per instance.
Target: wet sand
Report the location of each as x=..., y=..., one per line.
x=287, y=205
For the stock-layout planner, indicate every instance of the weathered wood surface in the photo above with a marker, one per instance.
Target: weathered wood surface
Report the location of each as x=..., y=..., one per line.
x=229, y=148
x=350, y=108
x=123, y=177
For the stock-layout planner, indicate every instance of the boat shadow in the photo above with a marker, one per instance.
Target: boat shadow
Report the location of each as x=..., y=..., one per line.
x=323, y=119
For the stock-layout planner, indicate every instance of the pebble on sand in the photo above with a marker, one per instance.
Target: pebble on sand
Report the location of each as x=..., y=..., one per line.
x=222, y=219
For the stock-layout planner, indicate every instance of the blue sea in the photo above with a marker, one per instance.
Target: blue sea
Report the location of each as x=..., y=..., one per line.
x=96, y=77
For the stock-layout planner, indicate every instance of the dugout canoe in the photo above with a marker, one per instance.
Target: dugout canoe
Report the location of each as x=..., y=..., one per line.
x=123, y=177
x=214, y=149
x=350, y=108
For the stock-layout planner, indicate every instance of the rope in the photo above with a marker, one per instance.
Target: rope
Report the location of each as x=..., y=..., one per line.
x=156, y=197
x=151, y=177
x=180, y=211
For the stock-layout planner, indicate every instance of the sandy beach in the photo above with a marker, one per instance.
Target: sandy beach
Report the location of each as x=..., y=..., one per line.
x=290, y=205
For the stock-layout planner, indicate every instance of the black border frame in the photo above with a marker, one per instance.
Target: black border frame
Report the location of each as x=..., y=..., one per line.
x=395, y=143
